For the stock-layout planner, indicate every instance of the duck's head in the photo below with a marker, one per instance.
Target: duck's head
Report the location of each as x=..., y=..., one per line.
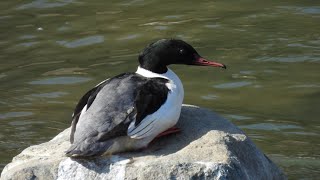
x=158, y=55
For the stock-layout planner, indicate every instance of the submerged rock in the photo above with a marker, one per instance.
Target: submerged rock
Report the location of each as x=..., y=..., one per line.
x=209, y=147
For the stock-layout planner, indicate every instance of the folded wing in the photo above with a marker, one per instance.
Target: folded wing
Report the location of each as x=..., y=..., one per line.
x=116, y=107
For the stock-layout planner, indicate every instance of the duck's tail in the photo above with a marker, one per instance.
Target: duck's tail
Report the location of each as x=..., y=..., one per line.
x=85, y=149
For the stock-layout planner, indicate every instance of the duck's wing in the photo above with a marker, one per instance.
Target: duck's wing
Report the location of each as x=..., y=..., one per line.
x=83, y=104
x=107, y=111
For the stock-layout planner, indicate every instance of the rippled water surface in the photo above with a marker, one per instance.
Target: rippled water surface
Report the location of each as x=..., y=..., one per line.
x=52, y=52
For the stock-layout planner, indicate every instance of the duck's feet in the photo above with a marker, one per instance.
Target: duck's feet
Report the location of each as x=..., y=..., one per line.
x=171, y=130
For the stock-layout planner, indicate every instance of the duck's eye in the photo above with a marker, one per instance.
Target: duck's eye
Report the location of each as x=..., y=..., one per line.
x=181, y=51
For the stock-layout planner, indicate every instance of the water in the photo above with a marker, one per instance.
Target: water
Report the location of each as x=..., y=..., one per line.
x=52, y=52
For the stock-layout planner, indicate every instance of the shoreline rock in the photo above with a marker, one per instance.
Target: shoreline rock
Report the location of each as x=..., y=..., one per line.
x=209, y=147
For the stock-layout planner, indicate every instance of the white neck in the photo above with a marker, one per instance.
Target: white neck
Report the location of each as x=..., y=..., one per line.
x=150, y=74
x=170, y=75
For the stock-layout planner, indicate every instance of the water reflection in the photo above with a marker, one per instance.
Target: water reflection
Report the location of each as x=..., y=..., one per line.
x=270, y=126
x=301, y=45
x=82, y=42
x=242, y=76
x=237, y=117
x=50, y=95
x=39, y=63
x=129, y=37
x=65, y=71
x=303, y=133
x=5, y=17
x=161, y=27
x=302, y=10
x=233, y=85
x=209, y=97
x=27, y=44
x=41, y=4
x=15, y=115
x=60, y=80
x=23, y=123
x=290, y=58
x=2, y=75
x=305, y=86
x=28, y=36
x=212, y=25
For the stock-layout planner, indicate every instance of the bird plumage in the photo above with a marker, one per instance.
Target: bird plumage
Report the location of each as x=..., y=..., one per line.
x=126, y=105
x=128, y=111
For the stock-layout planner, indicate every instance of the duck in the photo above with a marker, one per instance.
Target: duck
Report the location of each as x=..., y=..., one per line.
x=128, y=111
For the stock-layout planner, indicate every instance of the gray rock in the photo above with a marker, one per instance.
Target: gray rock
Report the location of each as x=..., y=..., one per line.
x=209, y=147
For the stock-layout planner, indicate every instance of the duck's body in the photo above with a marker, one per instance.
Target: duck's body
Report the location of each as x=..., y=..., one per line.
x=128, y=111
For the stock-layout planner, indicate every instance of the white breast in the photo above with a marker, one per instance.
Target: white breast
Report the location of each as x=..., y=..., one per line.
x=167, y=115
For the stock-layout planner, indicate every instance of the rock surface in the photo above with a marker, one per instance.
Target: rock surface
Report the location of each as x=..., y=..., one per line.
x=209, y=147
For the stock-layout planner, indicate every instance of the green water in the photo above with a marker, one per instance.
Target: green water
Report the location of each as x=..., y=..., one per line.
x=52, y=52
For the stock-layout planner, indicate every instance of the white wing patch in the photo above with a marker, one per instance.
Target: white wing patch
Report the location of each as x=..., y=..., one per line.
x=102, y=82
x=164, y=118
x=167, y=115
x=84, y=109
x=144, y=129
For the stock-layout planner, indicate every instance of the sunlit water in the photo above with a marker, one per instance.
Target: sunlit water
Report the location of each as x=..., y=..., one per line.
x=52, y=52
